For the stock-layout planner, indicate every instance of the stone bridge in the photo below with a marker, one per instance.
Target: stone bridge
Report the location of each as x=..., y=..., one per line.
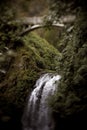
x=33, y=23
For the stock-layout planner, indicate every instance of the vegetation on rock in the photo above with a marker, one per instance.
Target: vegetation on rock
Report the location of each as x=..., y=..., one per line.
x=34, y=57
x=24, y=59
x=70, y=101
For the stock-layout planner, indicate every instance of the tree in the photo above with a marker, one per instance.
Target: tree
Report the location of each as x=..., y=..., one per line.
x=70, y=102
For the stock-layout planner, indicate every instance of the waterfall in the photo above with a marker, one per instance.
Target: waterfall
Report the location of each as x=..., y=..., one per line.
x=37, y=115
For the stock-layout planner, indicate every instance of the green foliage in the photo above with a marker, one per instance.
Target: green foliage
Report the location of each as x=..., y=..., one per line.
x=72, y=91
x=9, y=31
x=52, y=35
x=29, y=61
x=43, y=51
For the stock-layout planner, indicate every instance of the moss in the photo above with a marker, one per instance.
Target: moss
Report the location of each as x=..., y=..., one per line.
x=44, y=52
x=35, y=57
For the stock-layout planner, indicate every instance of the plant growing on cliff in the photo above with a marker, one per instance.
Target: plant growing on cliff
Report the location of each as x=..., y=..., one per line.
x=71, y=96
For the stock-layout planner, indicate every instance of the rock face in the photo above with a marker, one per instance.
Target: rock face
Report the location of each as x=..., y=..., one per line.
x=22, y=68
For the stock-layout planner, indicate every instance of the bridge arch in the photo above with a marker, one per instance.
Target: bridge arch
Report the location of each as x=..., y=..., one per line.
x=37, y=26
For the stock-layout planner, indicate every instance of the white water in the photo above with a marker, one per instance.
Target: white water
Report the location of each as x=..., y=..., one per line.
x=37, y=115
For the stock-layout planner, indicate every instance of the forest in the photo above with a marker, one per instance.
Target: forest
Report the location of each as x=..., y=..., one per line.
x=43, y=64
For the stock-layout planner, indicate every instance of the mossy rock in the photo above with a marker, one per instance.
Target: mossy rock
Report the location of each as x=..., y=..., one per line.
x=35, y=57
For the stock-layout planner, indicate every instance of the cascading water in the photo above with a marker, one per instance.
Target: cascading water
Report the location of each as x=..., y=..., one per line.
x=37, y=115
